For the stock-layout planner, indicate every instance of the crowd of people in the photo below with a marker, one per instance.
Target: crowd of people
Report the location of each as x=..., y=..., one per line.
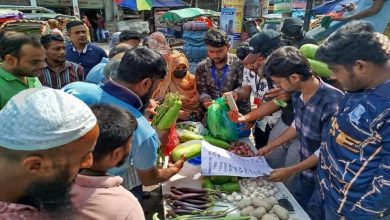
x=76, y=140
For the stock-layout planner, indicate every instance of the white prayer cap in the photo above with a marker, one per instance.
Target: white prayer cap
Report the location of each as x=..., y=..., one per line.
x=43, y=118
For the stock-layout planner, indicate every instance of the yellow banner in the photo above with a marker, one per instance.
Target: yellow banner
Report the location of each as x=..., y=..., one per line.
x=239, y=6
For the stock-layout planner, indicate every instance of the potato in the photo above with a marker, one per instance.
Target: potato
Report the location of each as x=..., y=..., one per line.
x=258, y=213
x=241, y=204
x=248, y=202
x=271, y=201
x=281, y=212
x=270, y=217
x=246, y=211
x=261, y=203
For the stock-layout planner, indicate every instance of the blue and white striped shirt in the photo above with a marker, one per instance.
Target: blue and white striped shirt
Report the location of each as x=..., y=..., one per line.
x=312, y=117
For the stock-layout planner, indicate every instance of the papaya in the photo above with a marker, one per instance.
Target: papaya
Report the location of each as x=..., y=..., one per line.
x=309, y=50
x=320, y=69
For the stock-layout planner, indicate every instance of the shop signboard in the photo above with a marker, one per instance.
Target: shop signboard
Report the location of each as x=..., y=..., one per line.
x=85, y=4
x=227, y=22
x=238, y=5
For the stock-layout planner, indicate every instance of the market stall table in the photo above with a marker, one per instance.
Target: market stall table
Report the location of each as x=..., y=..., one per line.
x=189, y=176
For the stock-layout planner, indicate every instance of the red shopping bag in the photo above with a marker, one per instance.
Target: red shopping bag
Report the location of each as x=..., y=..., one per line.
x=173, y=140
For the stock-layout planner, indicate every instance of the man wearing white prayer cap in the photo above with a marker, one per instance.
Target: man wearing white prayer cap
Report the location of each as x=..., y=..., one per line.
x=46, y=137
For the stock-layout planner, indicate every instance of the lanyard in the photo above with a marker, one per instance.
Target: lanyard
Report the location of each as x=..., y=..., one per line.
x=219, y=82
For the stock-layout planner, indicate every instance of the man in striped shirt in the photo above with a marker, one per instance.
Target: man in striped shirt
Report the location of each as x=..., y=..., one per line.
x=58, y=72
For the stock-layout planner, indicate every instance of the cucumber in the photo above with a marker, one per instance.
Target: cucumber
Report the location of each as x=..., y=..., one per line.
x=217, y=142
x=189, y=151
x=231, y=187
x=320, y=69
x=309, y=50
x=220, y=179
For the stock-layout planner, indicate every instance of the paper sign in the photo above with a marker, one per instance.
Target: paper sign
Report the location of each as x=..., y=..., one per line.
x=219, y=162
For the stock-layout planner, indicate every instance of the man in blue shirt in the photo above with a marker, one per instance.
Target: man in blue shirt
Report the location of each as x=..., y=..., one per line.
x=132, y=89
x=314, y=103
x=354, y=171
x=79, y=50
x=96, y=74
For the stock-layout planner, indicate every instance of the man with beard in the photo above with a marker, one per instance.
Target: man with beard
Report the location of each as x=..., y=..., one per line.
x=354, y=168
x=221, y=72
x=79, y=50
x=58, y=72
x=95, y=194
x=22, y=57
x=46, y=137
x=140, y=71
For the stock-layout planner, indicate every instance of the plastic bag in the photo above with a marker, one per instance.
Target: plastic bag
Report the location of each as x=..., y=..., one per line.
x=192, y=126
x=173, y=140
x=218, y=122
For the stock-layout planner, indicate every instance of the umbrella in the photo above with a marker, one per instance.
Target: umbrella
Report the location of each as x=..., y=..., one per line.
x=183, y=14
x=139, y=5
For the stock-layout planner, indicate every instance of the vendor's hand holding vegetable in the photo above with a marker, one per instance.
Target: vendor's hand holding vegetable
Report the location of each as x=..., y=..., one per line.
x=176, y=167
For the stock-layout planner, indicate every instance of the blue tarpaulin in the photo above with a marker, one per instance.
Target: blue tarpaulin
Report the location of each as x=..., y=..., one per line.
x=168, y=4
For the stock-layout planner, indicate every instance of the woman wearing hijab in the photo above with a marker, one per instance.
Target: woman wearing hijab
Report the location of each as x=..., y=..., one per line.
x=180, y=80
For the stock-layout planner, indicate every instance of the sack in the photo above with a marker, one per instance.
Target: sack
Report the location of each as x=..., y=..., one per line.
x=218, y=122
x=173, y=140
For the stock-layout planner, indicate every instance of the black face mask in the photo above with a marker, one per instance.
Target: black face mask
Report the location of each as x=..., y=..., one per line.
x=179, y=74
